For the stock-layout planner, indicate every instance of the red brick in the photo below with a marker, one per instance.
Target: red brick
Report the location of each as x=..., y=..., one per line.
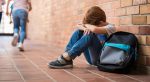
x=133, y=10
x=126, y=3
x=144, y=30
x=145, y=9
x=142, y=60
x=125, y=20
x=134, y=29
x=115, y=4
x=120, y=12
x=142, y=39
x=106, y=7
x=138, y=19
x=145, y=50
x=122, y=28
x=148, y=40
x=114, y=20
x=148, y=60
x=110, y=13
x=148, y=19
x=137, y=2
x=101, y=1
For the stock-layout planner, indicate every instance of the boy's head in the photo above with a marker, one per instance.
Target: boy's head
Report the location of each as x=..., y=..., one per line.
x=94, y=16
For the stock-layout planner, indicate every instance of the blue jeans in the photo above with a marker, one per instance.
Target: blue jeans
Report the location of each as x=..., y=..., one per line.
x=88, y=44
x=19, y=18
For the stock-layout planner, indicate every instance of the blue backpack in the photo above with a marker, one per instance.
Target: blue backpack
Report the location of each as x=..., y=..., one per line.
x=119, y=52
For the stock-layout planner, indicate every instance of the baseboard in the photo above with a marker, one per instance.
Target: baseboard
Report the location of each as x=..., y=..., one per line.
x=144, y=69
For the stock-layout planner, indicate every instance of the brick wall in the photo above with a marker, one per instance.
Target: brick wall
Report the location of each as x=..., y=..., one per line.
x=39, y=20
x=54, y=20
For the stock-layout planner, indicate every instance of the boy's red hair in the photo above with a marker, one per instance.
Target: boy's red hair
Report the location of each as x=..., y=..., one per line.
x=94, y=15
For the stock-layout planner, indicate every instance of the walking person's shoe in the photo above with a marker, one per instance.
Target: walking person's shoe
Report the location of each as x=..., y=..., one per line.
x=15, y=40
x=20, y=46
x=61, y=63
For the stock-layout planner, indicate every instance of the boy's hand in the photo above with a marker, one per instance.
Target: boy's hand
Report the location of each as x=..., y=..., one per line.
x=84, y=28
x=80, y=27
x=87, y=31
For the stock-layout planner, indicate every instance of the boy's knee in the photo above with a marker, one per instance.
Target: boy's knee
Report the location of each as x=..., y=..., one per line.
x=91, y=35
x=77, y=31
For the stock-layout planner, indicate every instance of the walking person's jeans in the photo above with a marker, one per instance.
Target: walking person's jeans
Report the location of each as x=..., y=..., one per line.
x=88, y=44
x=19, y=18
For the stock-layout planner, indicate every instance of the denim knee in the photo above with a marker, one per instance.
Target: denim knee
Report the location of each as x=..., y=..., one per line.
x=81, y=45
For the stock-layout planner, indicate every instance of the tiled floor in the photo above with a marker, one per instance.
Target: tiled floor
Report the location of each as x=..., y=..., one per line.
x=31, y=66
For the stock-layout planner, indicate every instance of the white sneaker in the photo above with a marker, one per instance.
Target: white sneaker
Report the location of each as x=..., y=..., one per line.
x=20, y=46
x=15, y=40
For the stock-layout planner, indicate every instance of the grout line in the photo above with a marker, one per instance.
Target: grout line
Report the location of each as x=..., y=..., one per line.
x=98, y=74
x=111, y=79
x=133, y=78
x=102, y=76
x=87, y=70
x=15, y=66
x=40, y=68
x=74, y=75
x=67, y=72
x=18, y=71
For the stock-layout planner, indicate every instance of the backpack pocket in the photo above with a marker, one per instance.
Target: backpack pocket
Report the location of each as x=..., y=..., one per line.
x=114, y=54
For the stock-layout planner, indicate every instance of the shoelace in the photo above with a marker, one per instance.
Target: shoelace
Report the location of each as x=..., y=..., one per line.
x=62, y=61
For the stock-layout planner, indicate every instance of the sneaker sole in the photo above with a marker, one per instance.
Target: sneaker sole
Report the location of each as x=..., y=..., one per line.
x=91, y=64
x=21, y=49
x=62, y=67
x=14, y=41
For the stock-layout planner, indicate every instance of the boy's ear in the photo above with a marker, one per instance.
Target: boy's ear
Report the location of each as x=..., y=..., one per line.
x=101, y=22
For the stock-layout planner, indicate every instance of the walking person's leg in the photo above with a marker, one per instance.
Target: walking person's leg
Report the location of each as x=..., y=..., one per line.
x=23, y=17
x=16, y=28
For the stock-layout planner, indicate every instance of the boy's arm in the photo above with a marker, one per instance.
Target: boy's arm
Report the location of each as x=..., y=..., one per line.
x=81, y=27
x=8, y=2
x=96, y=29
x=87, y=28
x=30, y=5
x=104, y=29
